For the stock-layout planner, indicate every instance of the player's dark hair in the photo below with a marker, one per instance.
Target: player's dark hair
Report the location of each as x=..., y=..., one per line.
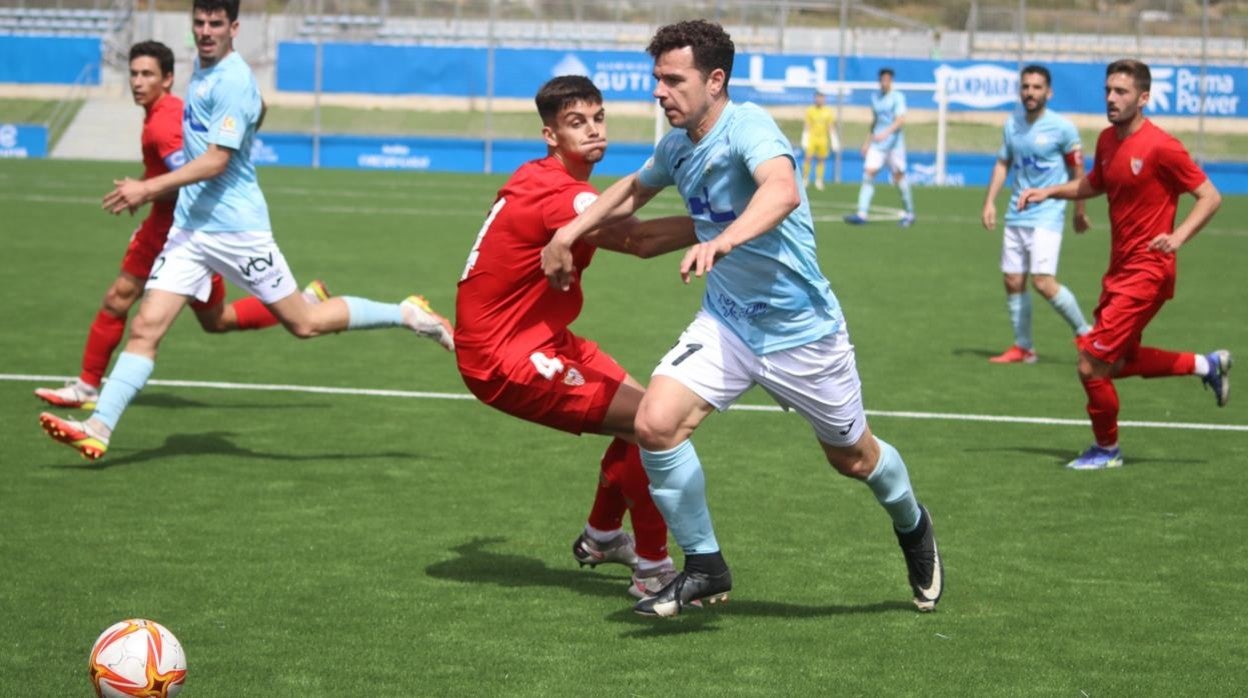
x=563, y=91
x=712, y=47
x=1138, y=71
x=1040, y=70
x=154, y=49
x=887, y=71
x=210, y=6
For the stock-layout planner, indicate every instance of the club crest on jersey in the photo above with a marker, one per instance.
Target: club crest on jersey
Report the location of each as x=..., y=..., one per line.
x=1137, y=164
x=573, y=378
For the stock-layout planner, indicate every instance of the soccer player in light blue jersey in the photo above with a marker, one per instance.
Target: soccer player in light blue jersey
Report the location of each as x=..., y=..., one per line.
x=1041, y=148
x=221, y=224
x=768, y=316
x=885, y=144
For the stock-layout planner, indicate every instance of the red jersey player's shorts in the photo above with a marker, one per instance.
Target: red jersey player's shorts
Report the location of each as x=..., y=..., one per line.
x=566, y=384
x=1120, y=323
x=145, y=246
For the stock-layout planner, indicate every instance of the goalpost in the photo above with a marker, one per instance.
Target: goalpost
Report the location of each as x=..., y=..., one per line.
x=841, y=91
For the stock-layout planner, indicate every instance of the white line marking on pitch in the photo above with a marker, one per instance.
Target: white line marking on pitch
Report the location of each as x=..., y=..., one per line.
x=944, y=416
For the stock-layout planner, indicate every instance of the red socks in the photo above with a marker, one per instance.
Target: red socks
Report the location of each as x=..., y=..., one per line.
x=253, y=315
x=624, y=485
x=1103, y=409
x=106, y=333
x=1156, y=363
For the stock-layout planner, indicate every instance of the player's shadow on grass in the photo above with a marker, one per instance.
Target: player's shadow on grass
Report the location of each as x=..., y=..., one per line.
x=693, y=620
x=1062, y=456
x=216, y=443
x=973, y=351
x=475, y=564
x=171, y=401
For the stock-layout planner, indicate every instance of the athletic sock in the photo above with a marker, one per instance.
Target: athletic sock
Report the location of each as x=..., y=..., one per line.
x=710, y=564
x=102, y=340
x=864, y=195
x=365, y=314
x=821, y=169
x=128, y=377
x=1200, y=365
x=600, y=536
x=1103, y=410
x=1159, y=363
x=645, y=565
x=607, y=513
x=890, y=481
x=252, y=314
x=628, y=474
x=1066, y=306
x=907, y=199
x=1019, y=307
x=678, y=488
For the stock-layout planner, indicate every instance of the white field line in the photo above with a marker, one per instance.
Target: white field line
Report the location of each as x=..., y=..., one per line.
x=371, y=392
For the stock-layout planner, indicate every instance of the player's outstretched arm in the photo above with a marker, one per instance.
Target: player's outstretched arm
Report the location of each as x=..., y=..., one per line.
x=129, y=194
x=645, y=239
x=989, y=215
x=776, y=197
x=1077, y=189
x=619, y=201
x=1208, y=200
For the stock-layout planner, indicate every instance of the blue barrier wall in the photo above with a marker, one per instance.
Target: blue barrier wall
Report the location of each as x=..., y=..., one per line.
x=763, y=78
x=22, y=141
x=57, y=60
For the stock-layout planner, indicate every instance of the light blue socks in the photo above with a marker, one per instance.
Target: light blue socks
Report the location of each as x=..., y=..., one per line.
x=891, y=484
x=907, y=199
x=1066, y=306
x=864, y=195
x=364, y=314
x=679, y=491
x=127, y=378
x=1019, y=305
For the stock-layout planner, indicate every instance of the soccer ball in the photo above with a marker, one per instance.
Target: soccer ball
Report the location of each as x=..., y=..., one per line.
x=137, y=657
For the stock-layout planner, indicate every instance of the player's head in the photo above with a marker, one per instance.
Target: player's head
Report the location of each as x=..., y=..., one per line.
x=214, y=24
x=692, y=64
x=151, y=72
x=574, y=123
x=1127, y=83
x=886, y=79
x=1035, y=88
x=820, y=99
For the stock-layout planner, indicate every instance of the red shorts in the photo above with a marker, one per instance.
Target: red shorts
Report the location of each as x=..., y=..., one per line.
x=1120, y=323
x=145, y=246
x=567, y=385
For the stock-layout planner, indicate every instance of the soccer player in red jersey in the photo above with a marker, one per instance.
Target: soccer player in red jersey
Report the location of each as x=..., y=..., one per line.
x=151, y=78
x=1143, y=170
x=513, y=346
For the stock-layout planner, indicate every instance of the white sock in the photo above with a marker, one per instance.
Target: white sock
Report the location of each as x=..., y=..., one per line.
x=600, y=536
x=1202, y=365
x=644, y=565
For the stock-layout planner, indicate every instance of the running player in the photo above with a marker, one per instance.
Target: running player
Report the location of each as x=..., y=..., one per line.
x=818, y=137
x=768, y=316
x=221, y=224
x=1142, y=170
x=513, y=345
x=885, y=145
x=151, y=78
x=1040, y=148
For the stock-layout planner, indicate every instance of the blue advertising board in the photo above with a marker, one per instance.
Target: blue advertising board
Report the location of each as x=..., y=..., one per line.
x=50, y=60
x=763, y=78
x=23, y=141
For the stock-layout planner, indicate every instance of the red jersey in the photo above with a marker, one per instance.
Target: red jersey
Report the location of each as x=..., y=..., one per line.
x=1143, y=176
x=505, y=308
x=162, y=146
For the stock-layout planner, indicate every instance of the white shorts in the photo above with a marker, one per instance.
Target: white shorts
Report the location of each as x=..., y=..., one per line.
x=877, y=157
x=818, y=380
x=249, y=260
x=1028, y=250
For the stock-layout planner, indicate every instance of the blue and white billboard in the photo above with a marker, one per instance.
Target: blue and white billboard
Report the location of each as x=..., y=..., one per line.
x=23, y=141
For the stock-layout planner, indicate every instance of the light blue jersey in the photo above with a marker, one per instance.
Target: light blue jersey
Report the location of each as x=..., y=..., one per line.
x=887, y=108
x=1037, y=156
x=769, y=291
x=222, y=108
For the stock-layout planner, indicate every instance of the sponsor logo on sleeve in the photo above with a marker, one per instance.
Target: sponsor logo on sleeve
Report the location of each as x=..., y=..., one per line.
x=583, y=201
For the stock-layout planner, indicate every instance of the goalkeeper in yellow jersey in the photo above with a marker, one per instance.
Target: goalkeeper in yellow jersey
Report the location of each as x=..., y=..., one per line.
x=817, y=138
